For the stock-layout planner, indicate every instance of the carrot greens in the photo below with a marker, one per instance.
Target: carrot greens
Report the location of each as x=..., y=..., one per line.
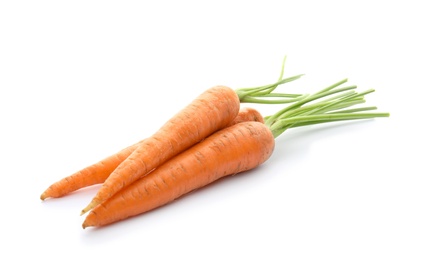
x=302, y=112
x=265, y=95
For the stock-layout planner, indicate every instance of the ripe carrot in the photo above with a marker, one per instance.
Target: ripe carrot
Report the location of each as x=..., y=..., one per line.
x=90, y=175
x=100, y=171
x=97, y=173
x=247, y=114
x=229, y=151
x=211, y=111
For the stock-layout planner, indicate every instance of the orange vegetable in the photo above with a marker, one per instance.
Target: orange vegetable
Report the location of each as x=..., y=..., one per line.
x=97, y=173
x=211, y=111
x=248, y=114
x=200, y=144
x=229, y=151
x=93, y=174
x=234, y=149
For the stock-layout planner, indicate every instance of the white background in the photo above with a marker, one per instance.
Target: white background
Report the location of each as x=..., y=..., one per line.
x=81, y=80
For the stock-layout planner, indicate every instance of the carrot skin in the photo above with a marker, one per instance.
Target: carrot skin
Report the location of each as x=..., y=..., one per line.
x=91, y=175
x=97, y=173
x=235, y=149
x=248, y=114
x=211, y=111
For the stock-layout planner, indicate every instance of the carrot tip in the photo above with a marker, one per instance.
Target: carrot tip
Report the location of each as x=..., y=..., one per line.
x=84, y=211
x=89, y=207
x=88, y=222
x=43, y=196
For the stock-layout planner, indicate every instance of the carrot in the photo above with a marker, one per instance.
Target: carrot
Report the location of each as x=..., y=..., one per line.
x=100, y=171
x=90, y=175
x=217, y=156
x=247, y=114
x=97, y=173
x=235, y=149
x=211, y=111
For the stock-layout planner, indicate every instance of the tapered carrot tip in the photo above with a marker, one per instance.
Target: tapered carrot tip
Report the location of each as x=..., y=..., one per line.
x=92, y=204
x=86, y=225
x=43, y=196
x=88, y=222
x=46, y=194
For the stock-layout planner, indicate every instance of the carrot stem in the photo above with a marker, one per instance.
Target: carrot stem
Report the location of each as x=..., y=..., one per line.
x=331, y=109
x=329, y=117
x=251, y=99
x=264, y=95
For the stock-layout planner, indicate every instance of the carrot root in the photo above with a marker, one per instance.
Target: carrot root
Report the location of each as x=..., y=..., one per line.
x=232, y=150
x=93, y=174
x=100, y=171
x=211, y=111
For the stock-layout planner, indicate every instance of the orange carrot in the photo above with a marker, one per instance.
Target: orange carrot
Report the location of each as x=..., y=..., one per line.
x=248, y=114
x=211, y=111
x=91, y=175
x=97, y=173
x=229, y=151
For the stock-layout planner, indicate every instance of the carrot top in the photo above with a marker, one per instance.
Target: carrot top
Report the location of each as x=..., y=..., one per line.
x=330, y=105
x=326, y=105
x=265, y=95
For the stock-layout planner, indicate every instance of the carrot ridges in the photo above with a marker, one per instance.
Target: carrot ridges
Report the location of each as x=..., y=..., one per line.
x=97, y=173
x=90, y=175
x=211, y=111
x=192, y=169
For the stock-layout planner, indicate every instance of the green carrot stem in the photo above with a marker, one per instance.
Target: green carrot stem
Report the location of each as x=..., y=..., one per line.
x=282, y=70
x=329, y=103
x=245, y=93
x=329, y=91
x=262, y=94
x=339, y=83
x=283, y=124
x=327, y=117
x=342, y=100
x=321, y=122
x=249, y=99
x=313, y=108
x=354, y=110
x=287, y=95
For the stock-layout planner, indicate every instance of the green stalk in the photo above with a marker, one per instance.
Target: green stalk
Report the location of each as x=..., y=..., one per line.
x=327, y=105
x=264, y=95
x=328, y=118
x=323, y=93
x=331, y=104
